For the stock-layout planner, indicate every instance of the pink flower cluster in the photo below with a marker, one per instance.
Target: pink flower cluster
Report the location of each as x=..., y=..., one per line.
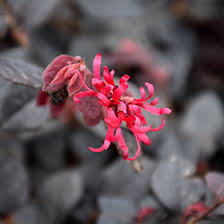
x=119, y=106
x=68, y=77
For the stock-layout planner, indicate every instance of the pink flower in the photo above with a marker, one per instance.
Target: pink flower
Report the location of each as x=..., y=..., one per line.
x=121, y=107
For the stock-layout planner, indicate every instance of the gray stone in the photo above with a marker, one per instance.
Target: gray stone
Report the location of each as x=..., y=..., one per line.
x=172, y=186
x=121, y=179
x=59, y=193
x=116, y=210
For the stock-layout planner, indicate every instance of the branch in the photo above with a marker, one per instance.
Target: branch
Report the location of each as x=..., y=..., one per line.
x=17, y=33
x=217, y=204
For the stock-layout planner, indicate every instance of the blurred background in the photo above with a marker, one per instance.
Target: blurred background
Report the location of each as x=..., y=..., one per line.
x=47, y=173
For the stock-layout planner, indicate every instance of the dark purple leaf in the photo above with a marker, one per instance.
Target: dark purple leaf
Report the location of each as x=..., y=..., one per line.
x=19, y=84
x=89, y=106
x=20, y=72
x=52, y=69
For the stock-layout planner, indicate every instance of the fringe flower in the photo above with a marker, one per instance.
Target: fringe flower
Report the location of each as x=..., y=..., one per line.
x=119, y=107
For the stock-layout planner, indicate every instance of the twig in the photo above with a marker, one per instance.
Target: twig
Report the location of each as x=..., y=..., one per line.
x=73, y=7
x=217, y=204
x=17, y=33
x=179, y=7
x=66, y=26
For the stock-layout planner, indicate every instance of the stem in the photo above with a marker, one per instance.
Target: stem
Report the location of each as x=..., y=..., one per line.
x=17, y=33
x=217, y=204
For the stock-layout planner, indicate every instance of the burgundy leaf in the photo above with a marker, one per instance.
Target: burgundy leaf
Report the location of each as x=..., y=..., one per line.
x=52, y=69
x=89, y=106
x=19, y=82
x=20, y=72
x=56, y=110
x=91, y=110
x=75, y=84
x=42, y=98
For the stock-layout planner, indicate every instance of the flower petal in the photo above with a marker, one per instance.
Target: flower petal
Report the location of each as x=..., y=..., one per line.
x=143, y=138
x=154, y=110
x=137, y=110
x=121, y=141
x=143, y=93
x=140, y=129
x=96, y=66
x=108, y=77
x=103, y=99
x=97, y=149
x=82, y=94
x=99, y=84
x=138, y=150
x=155, y=101
x=107, y=141
x=112, y=120
x=119, y=91
x=124, y=79
x=42, y=98
x=150, y=89
x=122, y=107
